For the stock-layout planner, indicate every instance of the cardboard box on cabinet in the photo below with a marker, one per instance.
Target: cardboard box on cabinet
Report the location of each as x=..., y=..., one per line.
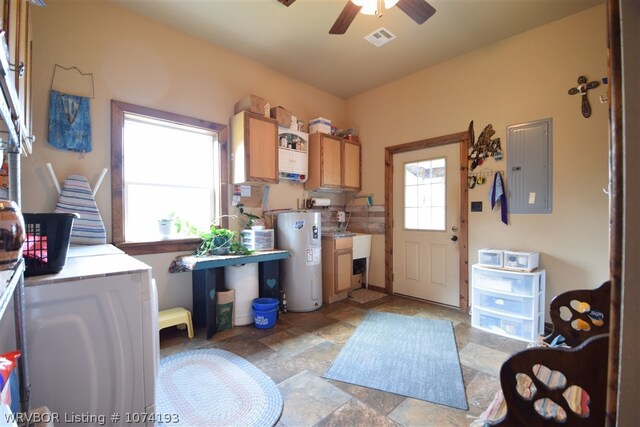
x=254, y=104
x=282, y=115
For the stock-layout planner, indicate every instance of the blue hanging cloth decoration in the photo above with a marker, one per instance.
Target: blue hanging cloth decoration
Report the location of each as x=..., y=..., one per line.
x=497, y=194
x=69, y=122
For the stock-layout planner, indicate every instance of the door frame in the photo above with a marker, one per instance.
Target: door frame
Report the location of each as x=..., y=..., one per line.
x=463, y=234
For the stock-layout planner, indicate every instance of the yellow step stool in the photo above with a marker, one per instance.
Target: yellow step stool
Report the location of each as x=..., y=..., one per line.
x=175, y=316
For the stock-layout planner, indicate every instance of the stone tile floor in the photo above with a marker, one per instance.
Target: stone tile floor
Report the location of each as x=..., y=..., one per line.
x=301, y=347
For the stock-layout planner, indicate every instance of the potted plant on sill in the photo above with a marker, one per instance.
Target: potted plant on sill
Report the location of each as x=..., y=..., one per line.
x=165, y=226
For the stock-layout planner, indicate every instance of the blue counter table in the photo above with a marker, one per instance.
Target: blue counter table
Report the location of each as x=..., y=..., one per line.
x=208, y=278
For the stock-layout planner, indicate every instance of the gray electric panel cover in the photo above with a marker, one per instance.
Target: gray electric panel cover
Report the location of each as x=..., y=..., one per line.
x=529, y=170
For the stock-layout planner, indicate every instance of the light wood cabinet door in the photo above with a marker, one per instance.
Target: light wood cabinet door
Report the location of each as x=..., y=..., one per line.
x=325, y=162
x=337, y=265
x=351, y=165
x=331, y=161
x=343, y=267
x=254, y=145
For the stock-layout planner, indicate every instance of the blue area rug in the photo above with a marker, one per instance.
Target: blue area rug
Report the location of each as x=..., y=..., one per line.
x=213, y=387
x=409, y=356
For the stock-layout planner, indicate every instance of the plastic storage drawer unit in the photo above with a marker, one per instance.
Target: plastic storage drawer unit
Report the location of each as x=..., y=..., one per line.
x=505, y=281
x=504, y=303
x=509, y=303
x=257, y=240
x=491, y=257
x=522, y=261
x=513, y=327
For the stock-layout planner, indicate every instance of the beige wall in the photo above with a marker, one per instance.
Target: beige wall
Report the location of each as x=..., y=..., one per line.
x=520, y=79
x=142, y=62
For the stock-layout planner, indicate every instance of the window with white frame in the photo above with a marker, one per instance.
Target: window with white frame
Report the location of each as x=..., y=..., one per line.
x=425, y=195
x=165, y=165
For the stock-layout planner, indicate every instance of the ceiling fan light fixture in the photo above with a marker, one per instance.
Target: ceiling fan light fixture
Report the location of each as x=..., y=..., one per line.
x=369, y=7
x=388, y=4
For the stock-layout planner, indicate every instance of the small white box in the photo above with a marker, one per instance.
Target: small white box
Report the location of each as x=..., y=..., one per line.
x=257, y=240
x=491, y=257
x=522, y=261
x=319, y=127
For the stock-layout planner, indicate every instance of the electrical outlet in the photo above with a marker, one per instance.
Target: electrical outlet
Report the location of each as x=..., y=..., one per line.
x=341, y=216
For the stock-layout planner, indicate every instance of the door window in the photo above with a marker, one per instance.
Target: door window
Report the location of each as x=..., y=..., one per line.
x=424, y=195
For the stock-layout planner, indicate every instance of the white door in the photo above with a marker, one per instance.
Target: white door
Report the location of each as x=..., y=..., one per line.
x=426, y=205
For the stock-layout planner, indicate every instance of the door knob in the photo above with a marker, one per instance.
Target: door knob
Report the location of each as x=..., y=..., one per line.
x=454, y=238
x=454, y=228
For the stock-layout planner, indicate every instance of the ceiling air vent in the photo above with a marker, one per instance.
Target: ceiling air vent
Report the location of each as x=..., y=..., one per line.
x=380, y=36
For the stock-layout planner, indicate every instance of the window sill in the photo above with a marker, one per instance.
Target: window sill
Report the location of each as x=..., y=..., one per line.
x=159, y=246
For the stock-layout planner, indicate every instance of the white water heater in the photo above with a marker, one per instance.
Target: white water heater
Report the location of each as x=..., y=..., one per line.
x=301, y=273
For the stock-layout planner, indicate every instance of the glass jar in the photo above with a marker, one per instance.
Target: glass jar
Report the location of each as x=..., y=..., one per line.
x=12, y=234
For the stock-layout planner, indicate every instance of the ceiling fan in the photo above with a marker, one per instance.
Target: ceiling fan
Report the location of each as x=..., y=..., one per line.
x=418, y=10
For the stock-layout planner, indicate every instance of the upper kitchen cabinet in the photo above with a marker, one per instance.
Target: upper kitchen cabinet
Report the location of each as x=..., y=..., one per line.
x=334, y=163
x=254, y=149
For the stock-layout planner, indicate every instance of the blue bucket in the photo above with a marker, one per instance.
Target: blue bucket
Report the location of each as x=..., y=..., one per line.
x=265, y=311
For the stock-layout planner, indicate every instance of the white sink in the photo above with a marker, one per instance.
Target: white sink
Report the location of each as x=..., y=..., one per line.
x=361, y=246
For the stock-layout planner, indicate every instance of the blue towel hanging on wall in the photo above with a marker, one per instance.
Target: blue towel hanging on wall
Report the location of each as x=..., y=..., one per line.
x=69, y=122
x=497, y=194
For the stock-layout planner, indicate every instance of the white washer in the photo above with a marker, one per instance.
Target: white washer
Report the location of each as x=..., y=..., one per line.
x=92, y=335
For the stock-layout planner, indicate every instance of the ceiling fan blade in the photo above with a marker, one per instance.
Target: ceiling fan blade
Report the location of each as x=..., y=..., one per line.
x=418, y=10
x=286, y=2
x=345, y=18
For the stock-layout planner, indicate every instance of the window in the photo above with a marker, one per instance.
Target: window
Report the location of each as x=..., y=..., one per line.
x=425, y=195
x=164, y=163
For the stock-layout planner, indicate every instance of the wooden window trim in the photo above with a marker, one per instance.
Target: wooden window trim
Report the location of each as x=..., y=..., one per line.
x=118, y=110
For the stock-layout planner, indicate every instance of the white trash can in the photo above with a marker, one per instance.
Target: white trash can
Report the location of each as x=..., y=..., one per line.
x=244, y=279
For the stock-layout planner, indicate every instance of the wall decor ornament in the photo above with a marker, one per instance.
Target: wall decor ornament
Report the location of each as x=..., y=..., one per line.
x=582, y=89
x=484, y=147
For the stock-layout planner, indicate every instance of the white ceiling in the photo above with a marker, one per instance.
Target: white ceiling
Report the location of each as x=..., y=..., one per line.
x=295, y=40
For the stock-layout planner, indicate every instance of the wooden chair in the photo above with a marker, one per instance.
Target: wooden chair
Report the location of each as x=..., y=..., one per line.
x=586, y=312
x=557, y=386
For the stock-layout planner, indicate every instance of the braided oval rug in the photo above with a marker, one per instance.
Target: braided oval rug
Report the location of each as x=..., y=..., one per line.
x=213, y=387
